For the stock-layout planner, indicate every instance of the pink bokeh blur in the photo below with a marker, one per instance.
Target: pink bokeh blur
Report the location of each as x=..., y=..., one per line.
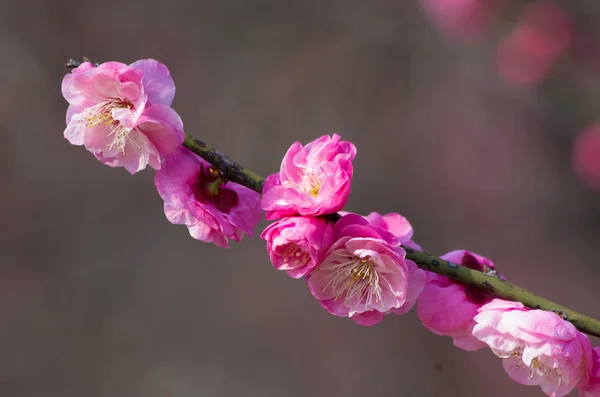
x=461, y=19
x=529, y=51
x=586, y=156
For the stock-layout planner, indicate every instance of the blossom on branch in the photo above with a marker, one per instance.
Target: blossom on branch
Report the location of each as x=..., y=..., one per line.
x=197, y=195
x=313, y=180
x=297, y=244
x=122, y=114
x=537, y=347
x=447, y=308
x=365, y=274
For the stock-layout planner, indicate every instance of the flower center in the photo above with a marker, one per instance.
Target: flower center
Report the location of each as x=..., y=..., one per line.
x=475, y=295
x=293, y=253
x=102, y=114
x=536, y=369
x=554, y=375
x=209, y=189
x=310, y=183
x=356, y=280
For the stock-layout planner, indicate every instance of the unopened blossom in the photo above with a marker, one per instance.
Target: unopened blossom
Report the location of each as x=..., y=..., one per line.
x=590, y=386
x=537, y=347
x=297, y=244
x=195, y=194
x=122, y=114
x=313, y=180
x=395, y=224
x=446, y=307
x=365, y=274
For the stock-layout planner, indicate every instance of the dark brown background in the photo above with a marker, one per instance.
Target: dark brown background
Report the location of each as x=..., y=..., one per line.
x=101, y=297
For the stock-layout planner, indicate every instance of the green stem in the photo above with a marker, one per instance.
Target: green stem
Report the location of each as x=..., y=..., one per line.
x=232, y=170
x=489, y=283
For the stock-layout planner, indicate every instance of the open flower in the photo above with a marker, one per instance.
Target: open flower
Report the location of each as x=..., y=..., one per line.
x=313, y=180
x=537, y=347
x=364, y=274
x=447, y=308
x=198, y=196
x=122, y=114
x=297, y=244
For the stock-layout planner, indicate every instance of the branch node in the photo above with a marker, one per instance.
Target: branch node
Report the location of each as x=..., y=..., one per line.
x=561, y=314
x=488, y=271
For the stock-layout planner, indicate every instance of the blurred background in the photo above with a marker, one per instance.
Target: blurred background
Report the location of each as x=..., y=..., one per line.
x=476, y=119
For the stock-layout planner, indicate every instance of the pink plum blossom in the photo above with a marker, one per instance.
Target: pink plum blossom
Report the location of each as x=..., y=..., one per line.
x=590, y=386
x=297, y=244
x=586, y=156
x=365, y=274
x=313, y=180
x=537, y=347
x=122, y=114
x=198, y=196
x=447, y=308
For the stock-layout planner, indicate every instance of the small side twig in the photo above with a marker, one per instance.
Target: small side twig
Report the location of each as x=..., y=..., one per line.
x=73, y=63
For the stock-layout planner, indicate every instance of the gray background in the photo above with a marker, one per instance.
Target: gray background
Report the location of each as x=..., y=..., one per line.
x=101, y=296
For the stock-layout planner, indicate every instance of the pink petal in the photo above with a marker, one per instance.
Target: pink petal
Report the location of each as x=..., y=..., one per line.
x=139, y=152
x=163, y=126
x=96, y=138
x=158, y=83
x=518, y=372
x=368, y=318
x=75, y=131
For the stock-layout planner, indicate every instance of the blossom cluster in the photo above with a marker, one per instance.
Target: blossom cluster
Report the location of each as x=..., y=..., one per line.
x=122, y=114
x=354, y=266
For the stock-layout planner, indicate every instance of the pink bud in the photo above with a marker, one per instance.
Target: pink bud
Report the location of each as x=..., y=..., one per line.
x=395, y=224
x=448, y=308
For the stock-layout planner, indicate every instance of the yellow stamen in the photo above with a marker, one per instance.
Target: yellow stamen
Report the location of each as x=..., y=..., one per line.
x=293, y=253
x=354, y=278
x=102, y=114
